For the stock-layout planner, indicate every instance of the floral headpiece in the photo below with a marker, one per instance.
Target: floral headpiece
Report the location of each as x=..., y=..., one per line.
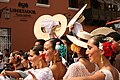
x=62, y=49
x=108, y=47
x=75, y=48
x=42, y=54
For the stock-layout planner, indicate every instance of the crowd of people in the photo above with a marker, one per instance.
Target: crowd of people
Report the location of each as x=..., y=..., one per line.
x=78, y=55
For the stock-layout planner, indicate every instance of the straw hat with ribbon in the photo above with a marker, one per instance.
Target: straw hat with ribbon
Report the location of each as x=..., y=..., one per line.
x=75, y=22
x=78, y=15
x=80, y=36
x=51, y=24
x=80, y=39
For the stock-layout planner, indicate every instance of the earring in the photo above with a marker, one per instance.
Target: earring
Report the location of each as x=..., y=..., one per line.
x=101, y=59
x=73, y=54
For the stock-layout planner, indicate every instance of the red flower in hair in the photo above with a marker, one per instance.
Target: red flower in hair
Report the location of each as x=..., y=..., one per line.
x=43, y=56
x=109, y=48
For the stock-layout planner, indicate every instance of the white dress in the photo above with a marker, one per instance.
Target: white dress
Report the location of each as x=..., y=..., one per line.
x=41, y=74
x=78, y=69
x=107, y=73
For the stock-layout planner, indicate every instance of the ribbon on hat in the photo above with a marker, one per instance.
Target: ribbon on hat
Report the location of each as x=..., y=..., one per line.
x=48, y=24
x=77, y=27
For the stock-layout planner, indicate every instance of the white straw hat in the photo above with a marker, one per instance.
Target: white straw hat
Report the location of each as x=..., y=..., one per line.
x=102, y=30
x=39, y=34
x=73, y=20
x=81, y=39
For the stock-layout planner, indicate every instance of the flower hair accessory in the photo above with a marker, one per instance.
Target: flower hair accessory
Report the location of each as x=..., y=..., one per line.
x=61, y=49
x=108, y=47
x=100, y=46
x=43, y=56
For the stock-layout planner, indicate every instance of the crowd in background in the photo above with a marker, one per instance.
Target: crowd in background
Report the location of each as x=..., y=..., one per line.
x=78, y=55
x=73, y=62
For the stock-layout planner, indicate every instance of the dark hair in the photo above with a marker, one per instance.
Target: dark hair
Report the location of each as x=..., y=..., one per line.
x=98, y=39
x=67, y=40
x=25, y=55
x=41, y=41
x=114, y=35
x=59, y=46
x=6, y=50
x=17, y=53
x=54, y=41
x=37, y=48
x=21, y=52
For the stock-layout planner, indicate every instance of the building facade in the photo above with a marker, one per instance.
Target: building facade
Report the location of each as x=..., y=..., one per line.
x=17, y=18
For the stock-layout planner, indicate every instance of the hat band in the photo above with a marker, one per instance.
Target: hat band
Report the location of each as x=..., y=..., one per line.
x=83, y=40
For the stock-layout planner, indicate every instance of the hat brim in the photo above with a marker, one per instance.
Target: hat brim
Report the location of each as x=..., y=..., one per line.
x=72, y=21
x=84, y=35
x=77, y=41
x=58, y=17
x=102, y=30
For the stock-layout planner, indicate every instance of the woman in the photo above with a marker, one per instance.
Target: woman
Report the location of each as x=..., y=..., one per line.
x=82, y=67
x=54, y=50
x=14, y=64
x=37, y=60
x=15, y=60
x=99, y=51
x=115, y=39
x=25, y=62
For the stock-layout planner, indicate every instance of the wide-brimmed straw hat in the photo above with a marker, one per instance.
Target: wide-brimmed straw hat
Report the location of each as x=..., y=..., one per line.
x=80, y=39
x=102, y=30
x=78, y=15
x=50, y=21
x=77, y=24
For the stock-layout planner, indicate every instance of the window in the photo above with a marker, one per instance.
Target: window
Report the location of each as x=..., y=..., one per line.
x=42, y=1
x=76, y=4
x=73, y=3
x=5, y=38
x=95, y=4
x=111, y=7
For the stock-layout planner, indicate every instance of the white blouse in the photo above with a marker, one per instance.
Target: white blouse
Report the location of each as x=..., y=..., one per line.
x=78, y=70
x=41, y=74
x=107, y=73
